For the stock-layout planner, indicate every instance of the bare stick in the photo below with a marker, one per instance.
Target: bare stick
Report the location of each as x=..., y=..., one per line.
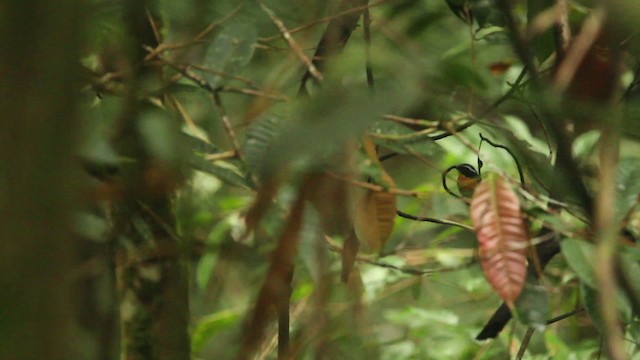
x=433, y=220
x=292, y=43
x=378, y=188
x=367, y=48
x=227, y=125
x=326, y=19
x=525, y=343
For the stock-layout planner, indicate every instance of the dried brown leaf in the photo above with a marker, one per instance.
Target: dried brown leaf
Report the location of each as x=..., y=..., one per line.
x=374, y=218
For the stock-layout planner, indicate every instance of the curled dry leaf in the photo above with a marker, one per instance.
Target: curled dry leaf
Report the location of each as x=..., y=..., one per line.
x=376, y=211
x=374, y=218
x=502, y=237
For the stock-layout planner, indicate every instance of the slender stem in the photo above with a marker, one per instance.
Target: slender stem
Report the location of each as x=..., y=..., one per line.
x=525, y=343
x=433, y=220
x=367, y=48
x=515, y=159
x=292, y=42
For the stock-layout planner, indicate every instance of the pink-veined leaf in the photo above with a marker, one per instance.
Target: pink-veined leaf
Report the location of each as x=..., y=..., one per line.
x=502, y=237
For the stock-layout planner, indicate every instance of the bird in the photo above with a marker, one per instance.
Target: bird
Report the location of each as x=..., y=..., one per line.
x=467, y=180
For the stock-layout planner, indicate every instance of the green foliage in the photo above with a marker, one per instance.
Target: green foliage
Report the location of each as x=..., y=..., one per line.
x=229, y=53
x=580, y=257
x=437, y=84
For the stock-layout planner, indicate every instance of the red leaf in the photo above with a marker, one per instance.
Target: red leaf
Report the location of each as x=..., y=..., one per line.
x=502, y=238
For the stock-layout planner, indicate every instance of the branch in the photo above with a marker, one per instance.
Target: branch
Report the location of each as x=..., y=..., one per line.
x=311, y=68
x=335, y=37
x=433, y=220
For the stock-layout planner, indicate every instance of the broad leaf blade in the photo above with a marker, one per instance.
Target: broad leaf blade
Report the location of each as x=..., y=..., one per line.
x=374, y=218
x=229, y=53
x=627, y=186
x=533, y=304
x=502, y=237
x=579, y=256
x=224, y=174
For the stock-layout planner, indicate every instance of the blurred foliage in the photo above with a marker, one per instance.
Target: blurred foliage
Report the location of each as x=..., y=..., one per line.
x=227, y=118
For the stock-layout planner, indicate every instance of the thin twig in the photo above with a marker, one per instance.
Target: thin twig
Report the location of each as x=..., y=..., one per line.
x=257, y=93
x=411, y=121
x=403, y=269
x=214, y=25
x=444, y=181
x=219, y=73
x=433, y=220
x=225, y=155
x=326, y=19
x=564, y=316
x=378, y=188
x=196, y=40
x=292, y=43
x=367, y=48
x=515, y=159
x=525, y=343
x=227, y=125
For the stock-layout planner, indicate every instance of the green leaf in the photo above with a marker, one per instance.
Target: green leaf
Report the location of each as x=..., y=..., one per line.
x=556, y=348
x=417, y=317
x=403, y=140
x=161, y=136
x=210, y=325
x=627, y=186
x=90, y=226
x=544, y=44
x=199, y=146
x=322, y=128
x=533, y=304
x=208, y=261
x=259, y=138
x=589, y=298
x=225, y=174
x=579, y=256
x=310, y=237
x=230, y=52
x=630, y=265
x=585, y=144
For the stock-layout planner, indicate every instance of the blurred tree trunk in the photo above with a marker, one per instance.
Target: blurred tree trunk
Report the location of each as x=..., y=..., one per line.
x=151, y=275
x=38, y=182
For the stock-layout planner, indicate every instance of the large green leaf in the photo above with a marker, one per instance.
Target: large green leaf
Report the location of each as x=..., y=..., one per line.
x=259, y=138
x=230, y=52
x=589, y=297
x=533, y=304
x=544, y=44
x=579, y=256
x=627, y=186
x=210, y=325
x=209, y=259
x=225, y=174
x=320, y=128
x=199, y=146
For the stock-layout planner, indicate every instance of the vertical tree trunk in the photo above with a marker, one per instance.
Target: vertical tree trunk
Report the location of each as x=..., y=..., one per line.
x=151, y=276
x=38, y=87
